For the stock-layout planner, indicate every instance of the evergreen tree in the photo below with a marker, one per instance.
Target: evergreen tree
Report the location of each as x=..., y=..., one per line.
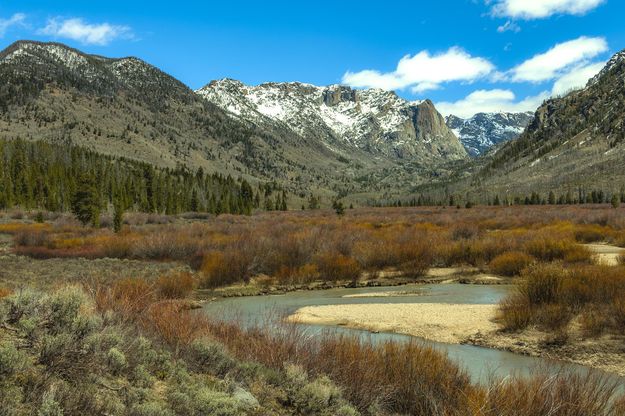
x=339, y=208
x=86, y=202
x=283, y=206
x=118, y=215
x=552, y=198
x=616, y=202
x=313, y=202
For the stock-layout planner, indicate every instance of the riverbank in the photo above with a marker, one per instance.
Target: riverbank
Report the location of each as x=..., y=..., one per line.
x=605, y=353
x=384, y=278
x=468, y=324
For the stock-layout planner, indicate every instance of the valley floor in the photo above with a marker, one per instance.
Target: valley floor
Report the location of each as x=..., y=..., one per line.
x=148, y=276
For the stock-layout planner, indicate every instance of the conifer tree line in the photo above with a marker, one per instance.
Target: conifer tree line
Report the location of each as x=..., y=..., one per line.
x=580, y=196
x=56, y=177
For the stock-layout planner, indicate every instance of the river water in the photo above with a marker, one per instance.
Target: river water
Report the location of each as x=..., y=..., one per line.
x=478, y=361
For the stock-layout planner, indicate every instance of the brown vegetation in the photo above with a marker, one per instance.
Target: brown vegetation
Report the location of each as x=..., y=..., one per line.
x=511, y=263
x=551, y=295
x=298, y=247
x=4, y=292
x=175, y=286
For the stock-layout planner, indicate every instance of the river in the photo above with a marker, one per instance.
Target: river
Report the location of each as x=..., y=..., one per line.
x=479, y=362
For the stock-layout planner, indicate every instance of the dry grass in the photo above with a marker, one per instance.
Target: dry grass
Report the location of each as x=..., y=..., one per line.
x=175, y=325
x=567, y=393
x=410, y=378
x=4, y=292
x=157, y=307
x=14, y=228
x=551, y=249
x=511, y=263
x=289, y=246
x=175, y=286
x=551, y=295
x=129, y=298
x=336, y=267
x=405, y=378
x=221, y=269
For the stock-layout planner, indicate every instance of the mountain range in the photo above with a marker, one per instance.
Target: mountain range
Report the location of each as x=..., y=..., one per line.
x=332, y=141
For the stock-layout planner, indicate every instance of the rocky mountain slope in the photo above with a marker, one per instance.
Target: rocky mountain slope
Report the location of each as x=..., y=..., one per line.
x=575, y=144
x=358, y=143
x=485, y=130
x=372, y=120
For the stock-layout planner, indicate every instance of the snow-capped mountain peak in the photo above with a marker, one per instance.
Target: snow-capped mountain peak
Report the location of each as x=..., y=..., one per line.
x=375, y=120
x=484, y=130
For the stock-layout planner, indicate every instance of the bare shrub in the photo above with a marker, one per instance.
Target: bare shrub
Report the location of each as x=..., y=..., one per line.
x=220, y=269
x=32, y=237
x=175, y=286
x=566, y=393
x=515, y=312
x=593, y=322
x=174, y=324
x=336, y=267
x=551, y=249
x=4, y=292
x=510, y=264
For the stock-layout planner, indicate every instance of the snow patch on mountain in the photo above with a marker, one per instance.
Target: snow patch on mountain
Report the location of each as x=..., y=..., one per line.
x=617, y=59
x=372, y=119
x=484, y=130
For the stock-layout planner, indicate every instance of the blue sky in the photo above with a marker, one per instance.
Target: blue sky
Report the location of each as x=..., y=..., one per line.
x=465, y=55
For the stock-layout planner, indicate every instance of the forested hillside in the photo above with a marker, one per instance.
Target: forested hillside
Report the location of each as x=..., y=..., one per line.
x=40, y=175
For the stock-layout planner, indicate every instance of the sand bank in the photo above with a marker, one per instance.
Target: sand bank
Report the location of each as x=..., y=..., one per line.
x=450, y=323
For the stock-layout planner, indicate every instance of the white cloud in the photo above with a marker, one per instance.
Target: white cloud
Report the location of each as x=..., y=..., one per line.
x=16, y=19
x=509, y=26
x=490, y=101
x=77, y=29
x=576, y=78
x=555, y=61
x=423, y=72
x=539, y=9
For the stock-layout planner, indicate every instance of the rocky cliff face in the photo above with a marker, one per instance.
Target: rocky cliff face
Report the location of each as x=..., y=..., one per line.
x=485, y=130
x=373, y=120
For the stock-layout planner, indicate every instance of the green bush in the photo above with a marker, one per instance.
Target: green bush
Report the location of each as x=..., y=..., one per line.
x=62, y=308
x=116, y=361
x=209, y=357
x=11, y=360
x=149, y=409
x=211, y=402
x=11, y=398
x=317, y=397
x=49, y=405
